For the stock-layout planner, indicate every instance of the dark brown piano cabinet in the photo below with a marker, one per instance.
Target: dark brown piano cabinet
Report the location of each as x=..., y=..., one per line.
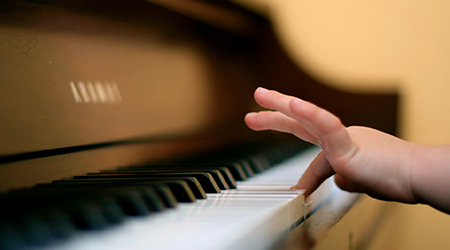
x=95, y=85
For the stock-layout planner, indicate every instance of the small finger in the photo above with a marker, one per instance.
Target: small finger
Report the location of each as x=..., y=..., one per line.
x=331, y=134
x=318, y=171
x=328, y=130
x=274, y=100
x=277, y=121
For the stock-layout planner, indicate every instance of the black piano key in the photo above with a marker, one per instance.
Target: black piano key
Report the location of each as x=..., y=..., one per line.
x=235, y=156
x=10, y=238
x=133, y=204
x=34, y=230
x=166, y=195
x=83, y=213
x=284, y=151
x=225, y=172
x=136, y=200
x=259, y=163
x=235, y=168
x=77, y=201
x=153, y=200
x=157, y=195
x=218, y=178
x=180, y=188
x=111, y=210
x=86, y=214
x=243, y=164
x=141, y=199
x=37, y=225
x=246, y=167
x=206, y=180
x=59, y=223
x=250, y=168
x=161, y=191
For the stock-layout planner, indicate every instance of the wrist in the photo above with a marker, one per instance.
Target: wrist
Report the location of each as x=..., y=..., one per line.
x=416, y=163
x=430, y=175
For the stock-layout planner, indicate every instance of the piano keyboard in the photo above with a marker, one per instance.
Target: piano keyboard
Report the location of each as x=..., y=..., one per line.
x=134, y=209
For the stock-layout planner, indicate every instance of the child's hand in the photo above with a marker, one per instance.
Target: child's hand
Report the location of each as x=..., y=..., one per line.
x=360, y=158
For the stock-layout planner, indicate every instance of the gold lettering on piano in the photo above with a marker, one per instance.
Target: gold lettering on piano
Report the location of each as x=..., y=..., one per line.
x=97, y=92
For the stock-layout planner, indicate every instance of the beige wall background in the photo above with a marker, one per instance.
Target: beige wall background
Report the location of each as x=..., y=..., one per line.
x=380, y=46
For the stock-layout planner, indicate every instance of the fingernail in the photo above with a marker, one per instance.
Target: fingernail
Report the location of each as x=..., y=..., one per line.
x=250, y=114
x=299, y=184
x=261, y=90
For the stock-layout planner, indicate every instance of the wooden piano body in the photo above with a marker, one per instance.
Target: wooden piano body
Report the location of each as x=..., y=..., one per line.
x=93, y=85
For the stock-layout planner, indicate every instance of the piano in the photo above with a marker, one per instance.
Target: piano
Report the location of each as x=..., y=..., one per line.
x=122, y=128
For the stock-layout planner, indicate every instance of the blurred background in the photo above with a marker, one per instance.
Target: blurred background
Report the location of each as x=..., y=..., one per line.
x=380, y=46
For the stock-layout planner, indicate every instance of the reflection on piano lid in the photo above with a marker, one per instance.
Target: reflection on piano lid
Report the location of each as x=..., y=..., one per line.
x=90, y=86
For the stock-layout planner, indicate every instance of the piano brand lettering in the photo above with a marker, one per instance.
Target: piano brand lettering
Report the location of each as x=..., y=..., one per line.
x=97, y=92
